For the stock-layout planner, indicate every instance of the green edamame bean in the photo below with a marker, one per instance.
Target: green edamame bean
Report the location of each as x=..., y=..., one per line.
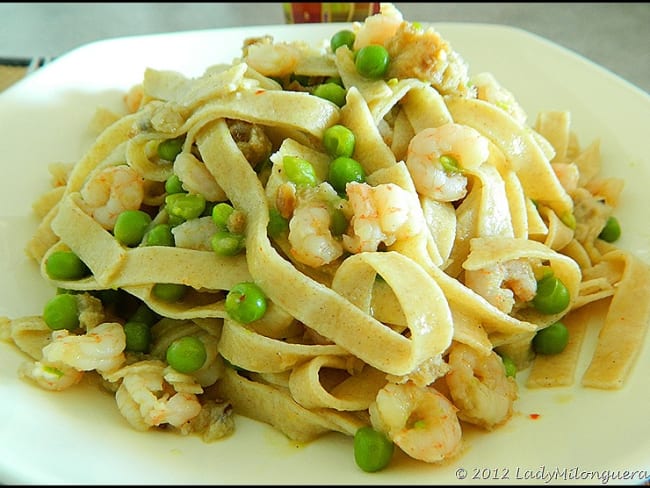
x=173, y=184
x=299, y=171
x=159, y=235
x=226, y=243
x=185, y=205
x=221, y=213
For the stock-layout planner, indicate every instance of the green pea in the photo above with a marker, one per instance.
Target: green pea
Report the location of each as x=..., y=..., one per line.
x=612, y=230
x=338, y=222
x=173, y=184
x=344, y=170
x=209, y=207
x=186, y=354
x=552, y=295
x=65, y=265
x=174, y=220
x=233, y=366
x=333, y=92
x=159, y=235
x=144, y=314
x=169, y=292
x=509, y=365
x=552, y=339
x=372, y=61
x=299, y=171
x=277, y=223
x=343, y=37
x=109, y=297
x=221, y=212
x=569, y=219
x=60, y=291
x=335, y=79
x=338, y=140
x=373, y=451
x=138, y=336
x=170, y=148
x=62, y=312
x=185, y=205
x=226, y=243
x=449, y=164
x=131, y=226
x=245, y=302
x=303, y=80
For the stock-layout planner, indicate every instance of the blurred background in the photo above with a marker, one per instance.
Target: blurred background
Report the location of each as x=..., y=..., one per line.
x=614, y=35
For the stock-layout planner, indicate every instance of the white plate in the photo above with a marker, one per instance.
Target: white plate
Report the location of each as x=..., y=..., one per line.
x=78, y=436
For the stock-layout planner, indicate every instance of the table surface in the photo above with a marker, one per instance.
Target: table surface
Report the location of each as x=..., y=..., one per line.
x=613, y=35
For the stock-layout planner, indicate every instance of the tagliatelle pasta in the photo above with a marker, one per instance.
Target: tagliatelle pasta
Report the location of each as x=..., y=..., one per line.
x=393, y=301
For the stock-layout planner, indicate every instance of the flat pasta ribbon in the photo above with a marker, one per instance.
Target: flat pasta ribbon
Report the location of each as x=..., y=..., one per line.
x=312, y=303
x=276, y=407
x=520, y=148
x=487, y=251
x=251, y=351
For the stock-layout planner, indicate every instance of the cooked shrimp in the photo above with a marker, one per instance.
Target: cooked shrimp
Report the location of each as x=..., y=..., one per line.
x=479, y=387
x=464, y=144
x=195, y=233
x=54, y=377
x=311, y=239
x=504, y=283
x=418, y=419
x=100, y=349
x=197, y=179
x=272, y=59
x=112, y=191
x=384, y=214
x=143, y=397
x=378, y=28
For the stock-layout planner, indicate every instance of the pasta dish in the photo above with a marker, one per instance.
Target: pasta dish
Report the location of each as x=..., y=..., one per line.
x=361, y=236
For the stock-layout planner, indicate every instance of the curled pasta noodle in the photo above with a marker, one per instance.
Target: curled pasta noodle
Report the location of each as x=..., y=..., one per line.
x=388, y=303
